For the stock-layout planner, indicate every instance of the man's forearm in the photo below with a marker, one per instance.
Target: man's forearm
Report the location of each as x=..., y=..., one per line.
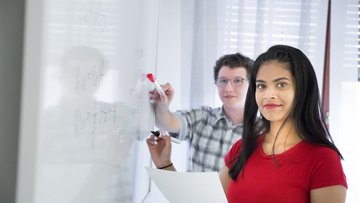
x=167, y=120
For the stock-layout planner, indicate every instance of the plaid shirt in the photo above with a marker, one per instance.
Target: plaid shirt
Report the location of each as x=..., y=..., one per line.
x=210, y=135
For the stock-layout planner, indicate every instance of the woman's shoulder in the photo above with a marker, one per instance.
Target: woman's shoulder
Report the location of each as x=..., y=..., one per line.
x=235, y=150
x=320, y=156
x=237, y=145
x=319, y=150
x=325, y=166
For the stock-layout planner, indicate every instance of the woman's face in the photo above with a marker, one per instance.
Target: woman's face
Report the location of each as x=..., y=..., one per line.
x=275, y=91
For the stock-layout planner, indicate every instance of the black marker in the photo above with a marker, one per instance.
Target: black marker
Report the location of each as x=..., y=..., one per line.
x=157, y=134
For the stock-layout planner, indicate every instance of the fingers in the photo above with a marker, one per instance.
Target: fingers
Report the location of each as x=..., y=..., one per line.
x=163, y=97
x=164, y=137
x=153, y=94
x=160, y=148
x=167, y=89
x=152, y=140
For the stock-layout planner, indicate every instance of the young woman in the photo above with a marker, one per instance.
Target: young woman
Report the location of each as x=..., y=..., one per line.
x=287, y=155
x=294, y=158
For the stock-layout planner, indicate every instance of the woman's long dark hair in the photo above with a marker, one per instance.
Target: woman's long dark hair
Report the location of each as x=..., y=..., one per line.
x=307, y=112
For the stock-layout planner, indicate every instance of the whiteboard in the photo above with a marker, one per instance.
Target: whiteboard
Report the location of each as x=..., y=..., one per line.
x=85, y=106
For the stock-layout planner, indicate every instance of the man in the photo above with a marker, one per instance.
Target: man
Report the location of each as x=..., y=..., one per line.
x=209, y=131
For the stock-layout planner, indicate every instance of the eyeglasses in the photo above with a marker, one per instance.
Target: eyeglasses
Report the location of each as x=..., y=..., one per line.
x=237, y=82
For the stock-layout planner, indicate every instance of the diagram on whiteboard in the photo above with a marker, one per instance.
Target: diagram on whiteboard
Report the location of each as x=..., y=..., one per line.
x=96, y=116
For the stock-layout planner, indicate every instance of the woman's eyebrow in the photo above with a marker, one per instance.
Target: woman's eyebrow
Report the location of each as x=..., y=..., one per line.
x=262, y=81
x=275, y=80
x=282, y=78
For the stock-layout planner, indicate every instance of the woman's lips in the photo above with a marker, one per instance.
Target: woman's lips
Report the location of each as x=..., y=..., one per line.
x=271, y=106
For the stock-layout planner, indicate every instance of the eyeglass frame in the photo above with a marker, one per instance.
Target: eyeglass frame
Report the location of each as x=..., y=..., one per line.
x=226, y=81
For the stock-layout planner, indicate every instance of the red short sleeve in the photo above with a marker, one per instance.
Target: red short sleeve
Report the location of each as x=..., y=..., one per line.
x=231, y=156
x=328, y=170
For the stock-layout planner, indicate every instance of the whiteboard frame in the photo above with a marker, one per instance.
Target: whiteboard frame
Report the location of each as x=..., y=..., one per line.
x=33, y=61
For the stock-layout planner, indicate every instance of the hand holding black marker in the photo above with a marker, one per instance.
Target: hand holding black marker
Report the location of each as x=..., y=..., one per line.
x=157, y=134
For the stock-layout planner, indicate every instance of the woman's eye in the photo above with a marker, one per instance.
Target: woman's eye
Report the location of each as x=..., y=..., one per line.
x=260, y=86
x=281, y=84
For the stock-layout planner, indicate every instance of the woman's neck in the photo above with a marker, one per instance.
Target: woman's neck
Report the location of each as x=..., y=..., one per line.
x=281, y=137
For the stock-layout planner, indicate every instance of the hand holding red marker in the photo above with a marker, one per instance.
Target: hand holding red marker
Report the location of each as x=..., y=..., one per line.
x=151, y=77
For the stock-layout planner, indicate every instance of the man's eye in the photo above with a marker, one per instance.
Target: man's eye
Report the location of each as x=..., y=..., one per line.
x=237, y=81
x=223, y=82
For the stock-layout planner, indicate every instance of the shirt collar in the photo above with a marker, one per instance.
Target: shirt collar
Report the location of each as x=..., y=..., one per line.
x=220, y=115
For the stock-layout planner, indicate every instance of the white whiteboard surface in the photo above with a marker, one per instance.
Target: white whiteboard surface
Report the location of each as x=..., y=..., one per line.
x=85, y=106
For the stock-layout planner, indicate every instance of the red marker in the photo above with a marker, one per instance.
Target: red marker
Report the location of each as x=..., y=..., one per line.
x=157, y=86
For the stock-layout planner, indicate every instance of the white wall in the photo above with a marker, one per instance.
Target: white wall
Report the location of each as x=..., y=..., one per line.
x=344, y=115
x=186, y=39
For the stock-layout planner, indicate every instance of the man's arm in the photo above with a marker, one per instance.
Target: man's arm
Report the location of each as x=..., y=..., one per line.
x=164, y=118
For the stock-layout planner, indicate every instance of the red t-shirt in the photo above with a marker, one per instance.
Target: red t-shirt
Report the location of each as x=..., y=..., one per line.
x=288, y=178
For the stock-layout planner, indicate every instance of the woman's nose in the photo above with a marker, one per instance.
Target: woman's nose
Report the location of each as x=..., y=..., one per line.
x=270, y=93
